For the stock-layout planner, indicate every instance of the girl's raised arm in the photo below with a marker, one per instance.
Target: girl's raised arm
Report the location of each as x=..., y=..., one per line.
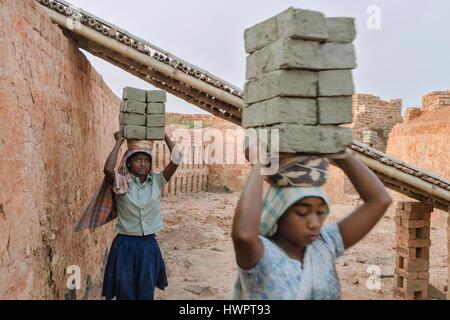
x=110, y=163
x=376, y=200
x=245, y=234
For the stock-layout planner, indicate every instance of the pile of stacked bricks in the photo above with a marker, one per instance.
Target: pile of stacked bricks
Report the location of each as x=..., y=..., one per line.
x=411, y=113
x=436, y=100
x=299, y=80
x=411, y=277
x=370, y=137
x=142, y=114
x=371, y=112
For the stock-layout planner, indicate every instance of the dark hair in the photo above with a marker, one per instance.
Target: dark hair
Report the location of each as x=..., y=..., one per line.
x=135, y=155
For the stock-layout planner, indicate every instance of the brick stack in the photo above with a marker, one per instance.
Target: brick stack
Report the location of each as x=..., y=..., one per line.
x=299, y=80
x=370, y=137
x=411, y=113
x=436, y=100
x=371, y=112
x=411, y=277
x=142, y=114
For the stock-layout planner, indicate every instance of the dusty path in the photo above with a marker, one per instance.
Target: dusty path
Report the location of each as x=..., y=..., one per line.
x=199, y=256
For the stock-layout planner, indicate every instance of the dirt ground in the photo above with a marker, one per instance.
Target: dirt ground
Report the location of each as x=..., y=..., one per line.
x=199, y=256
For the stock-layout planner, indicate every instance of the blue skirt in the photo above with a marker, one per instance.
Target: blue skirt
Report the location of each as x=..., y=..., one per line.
x=134, y=269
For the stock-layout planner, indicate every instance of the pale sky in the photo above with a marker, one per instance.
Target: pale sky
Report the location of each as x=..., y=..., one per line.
x=406, y=58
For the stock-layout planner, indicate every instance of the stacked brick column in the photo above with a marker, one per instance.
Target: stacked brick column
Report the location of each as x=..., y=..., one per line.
x=436, y=100
x=142, y=114
x=299, y=80
x=411, y=277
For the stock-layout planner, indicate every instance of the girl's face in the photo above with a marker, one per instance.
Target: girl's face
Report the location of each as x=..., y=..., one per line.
x=302, y=222
x=140, y=164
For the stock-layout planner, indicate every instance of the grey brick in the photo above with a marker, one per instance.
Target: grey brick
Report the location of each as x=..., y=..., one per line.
x=134, y=94
x=156, y=108
x=335, y=110
x=285, y=54
x=155, y=133
x=302, y=24
x=341, y=30
x=156, y=120
x=294, y=83
x=312, y=139
x=156, y=96
x=335, y=83
x=338, y=56
x=254, y=115
x=280, y=110
x=291, y=23
x=261, y=35
x=132, y=119
x=131, y=106
x=135, y=132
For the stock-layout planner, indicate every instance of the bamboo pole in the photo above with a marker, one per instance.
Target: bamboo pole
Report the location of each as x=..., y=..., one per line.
x=399, y=175
x=184, y=96
x=61, y=8
x=148, y=61
x=127, y=63
x=413, y=192
x=419, y=196
x=105, y=31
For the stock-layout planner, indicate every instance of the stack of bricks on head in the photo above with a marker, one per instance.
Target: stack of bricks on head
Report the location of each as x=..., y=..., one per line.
x=299, y=80
x=142, y=114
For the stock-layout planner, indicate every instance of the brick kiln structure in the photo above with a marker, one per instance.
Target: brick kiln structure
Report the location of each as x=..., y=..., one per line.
x=423, y=138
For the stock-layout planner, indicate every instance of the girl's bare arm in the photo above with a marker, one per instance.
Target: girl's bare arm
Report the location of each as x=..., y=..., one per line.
x=376, y=200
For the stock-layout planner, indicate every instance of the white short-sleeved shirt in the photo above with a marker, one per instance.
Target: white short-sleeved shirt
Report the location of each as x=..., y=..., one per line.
x=139, y=210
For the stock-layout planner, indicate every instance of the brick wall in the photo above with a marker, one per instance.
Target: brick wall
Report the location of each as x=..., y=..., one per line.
x=232, y=175
x=228, y=176
x=190, y=176
x=57, y=119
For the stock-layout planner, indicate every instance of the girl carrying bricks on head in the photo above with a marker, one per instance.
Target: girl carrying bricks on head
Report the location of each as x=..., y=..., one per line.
x=132, y=194
x=283, y=251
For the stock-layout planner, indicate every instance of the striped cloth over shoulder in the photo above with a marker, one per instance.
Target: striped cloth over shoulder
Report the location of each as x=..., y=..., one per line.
x=102, y=208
